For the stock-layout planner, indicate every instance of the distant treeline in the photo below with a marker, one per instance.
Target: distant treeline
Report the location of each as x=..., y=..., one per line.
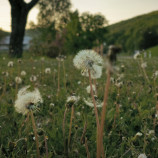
x=140, y=32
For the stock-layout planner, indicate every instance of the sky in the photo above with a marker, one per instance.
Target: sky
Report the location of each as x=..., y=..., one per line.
x=113, y=10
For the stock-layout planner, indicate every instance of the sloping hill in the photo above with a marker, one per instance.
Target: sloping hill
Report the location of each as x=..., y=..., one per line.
x=140, y=32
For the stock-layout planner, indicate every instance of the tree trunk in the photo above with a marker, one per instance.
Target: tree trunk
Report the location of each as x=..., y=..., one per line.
x=19, y=18
x=19, y=12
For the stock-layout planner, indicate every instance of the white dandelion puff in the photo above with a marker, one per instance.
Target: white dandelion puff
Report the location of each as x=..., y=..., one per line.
x=144, y=65
x=89, y=102
x=33, y=78
x=47, y=71
x=18, y=80
x=27, y=100
x=23, y=73
x=142, y=156
x=139, y=134
x=136, y=55
x=73, y=99
x=88, y=89
x=10, y=64
x=89, y=60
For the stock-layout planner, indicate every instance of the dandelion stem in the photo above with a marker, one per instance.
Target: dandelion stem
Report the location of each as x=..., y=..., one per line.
x=58, y=78
x=64, y=75
x=96, y=112
x=107, y=85
x=86, y=145
x=35, y=133
x=72, y=116
x=64, y=129
x=46, y=146
x=84, y=132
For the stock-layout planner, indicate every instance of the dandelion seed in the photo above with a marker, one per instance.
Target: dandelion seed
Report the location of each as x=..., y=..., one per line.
x=79, y=82
x=51, y=104
x=18, y=80
x=139, y=134
x=73, y=99
x=23, y=73
x=33, y=78
x=144, y=65
x=89, y=102
x=47, y=70
x=142, y=156
x=89, y=60
x=78, y=113
x=19, y=61
x=10, y=64
x=5, y=74
x=119, y=84
x=151, y=132
x=27, y=100
x=89, y=89
x=137, y=55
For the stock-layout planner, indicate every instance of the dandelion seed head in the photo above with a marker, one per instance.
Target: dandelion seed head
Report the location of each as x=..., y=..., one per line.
x=136, y=55
x=139, y=134
x=142, y=156
x=89, y=102
x=18, y=80
x=33, y=78
x=47, y=71
x=144, y=65
x=10, y=64
x=23, y=73
x=27, y=100
x=88, y=89
x=73, y=99
x=89, y=60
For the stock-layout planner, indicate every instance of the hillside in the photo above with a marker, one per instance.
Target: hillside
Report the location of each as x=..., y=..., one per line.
x=140, y=32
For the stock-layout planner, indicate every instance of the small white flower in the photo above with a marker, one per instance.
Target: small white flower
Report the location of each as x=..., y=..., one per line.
x=51, y=104
x=155, y=74
x=23, y=73
x=18, y=80
x=89, y=102
x=89, y=89
x=144, y=65
x=89, y=61
x=142, y=156
x=119, y=84
x=78, y=113
x=137, y=55
x=151, y=132
x=33, y=78
x=10, y=64
x=27, y=100
x=79, y=82
x=73, y=99
x=139, y=134
x=47, y=70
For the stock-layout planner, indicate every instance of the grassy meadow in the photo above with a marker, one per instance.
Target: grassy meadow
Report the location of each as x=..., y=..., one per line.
x=131, y=124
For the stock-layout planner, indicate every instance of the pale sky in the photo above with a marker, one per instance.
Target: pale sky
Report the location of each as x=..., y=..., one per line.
x=113, y=10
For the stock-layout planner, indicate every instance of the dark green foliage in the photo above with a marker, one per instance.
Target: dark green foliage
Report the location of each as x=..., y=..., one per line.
x=135, y=33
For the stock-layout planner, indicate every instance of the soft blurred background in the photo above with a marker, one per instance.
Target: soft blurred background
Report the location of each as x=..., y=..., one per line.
x=64, y=27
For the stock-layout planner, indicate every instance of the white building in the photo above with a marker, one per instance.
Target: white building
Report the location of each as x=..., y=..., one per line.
x=4, y=43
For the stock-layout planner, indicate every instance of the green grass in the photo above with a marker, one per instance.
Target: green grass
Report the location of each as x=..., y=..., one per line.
x=154, y=51
x=136, y=99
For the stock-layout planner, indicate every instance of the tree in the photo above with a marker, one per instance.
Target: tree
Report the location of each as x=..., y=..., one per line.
x=19, y=13
x=53, y=11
